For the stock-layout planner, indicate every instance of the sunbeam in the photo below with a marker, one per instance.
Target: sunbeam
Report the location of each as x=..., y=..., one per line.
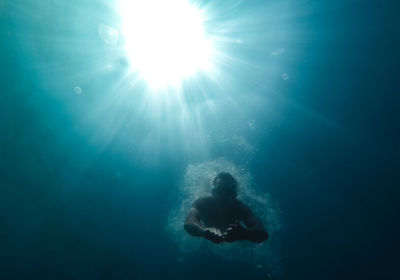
x=164, y=77
x=165, y=40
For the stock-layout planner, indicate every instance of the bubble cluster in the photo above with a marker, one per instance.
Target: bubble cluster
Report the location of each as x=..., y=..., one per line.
x=196, y=183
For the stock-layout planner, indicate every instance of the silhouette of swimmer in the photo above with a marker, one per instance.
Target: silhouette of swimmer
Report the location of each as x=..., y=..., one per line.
x=222, y=217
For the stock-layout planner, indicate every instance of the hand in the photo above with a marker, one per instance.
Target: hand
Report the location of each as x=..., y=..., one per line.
x=213, y=234
x=234, y=232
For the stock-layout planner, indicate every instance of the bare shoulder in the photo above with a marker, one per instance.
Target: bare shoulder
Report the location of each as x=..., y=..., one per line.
x=243, y=208
x=202, y=202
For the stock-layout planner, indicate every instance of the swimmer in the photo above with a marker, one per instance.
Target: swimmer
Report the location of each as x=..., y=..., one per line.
x=221, y=217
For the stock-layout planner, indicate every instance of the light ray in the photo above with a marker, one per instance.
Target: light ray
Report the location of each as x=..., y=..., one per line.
x=165, y=40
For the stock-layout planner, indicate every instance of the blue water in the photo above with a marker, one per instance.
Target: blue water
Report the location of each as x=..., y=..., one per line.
x=97, y=169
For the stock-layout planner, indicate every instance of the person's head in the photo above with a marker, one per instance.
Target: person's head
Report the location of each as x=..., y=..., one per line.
x=225, y=186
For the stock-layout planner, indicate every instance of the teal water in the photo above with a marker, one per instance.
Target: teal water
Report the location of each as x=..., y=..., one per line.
x=97, y=169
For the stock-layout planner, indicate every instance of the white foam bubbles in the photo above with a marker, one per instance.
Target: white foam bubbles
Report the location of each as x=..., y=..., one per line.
x=196, y=183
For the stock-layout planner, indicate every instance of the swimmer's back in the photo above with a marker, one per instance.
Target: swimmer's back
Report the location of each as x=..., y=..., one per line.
x=220, y=213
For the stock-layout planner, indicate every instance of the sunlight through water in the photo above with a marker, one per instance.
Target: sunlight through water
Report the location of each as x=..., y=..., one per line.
x=160, y=85
x=165, y=40
x=191, y=78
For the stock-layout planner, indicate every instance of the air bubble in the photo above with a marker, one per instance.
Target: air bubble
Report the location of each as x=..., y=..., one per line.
x=78, y=90
x=109, y=34
x=278, y=52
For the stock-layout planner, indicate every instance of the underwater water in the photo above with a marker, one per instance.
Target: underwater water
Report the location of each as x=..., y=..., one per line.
x=101, y=153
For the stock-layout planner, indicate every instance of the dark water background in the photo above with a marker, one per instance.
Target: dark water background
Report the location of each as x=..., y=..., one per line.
x=81, y=199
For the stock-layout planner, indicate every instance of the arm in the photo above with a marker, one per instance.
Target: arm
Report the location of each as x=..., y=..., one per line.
x=255, y=230
x=194, y=226
x=192, y=223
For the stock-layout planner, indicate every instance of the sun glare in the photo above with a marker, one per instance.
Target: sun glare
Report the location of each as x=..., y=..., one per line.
x=165, y=40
